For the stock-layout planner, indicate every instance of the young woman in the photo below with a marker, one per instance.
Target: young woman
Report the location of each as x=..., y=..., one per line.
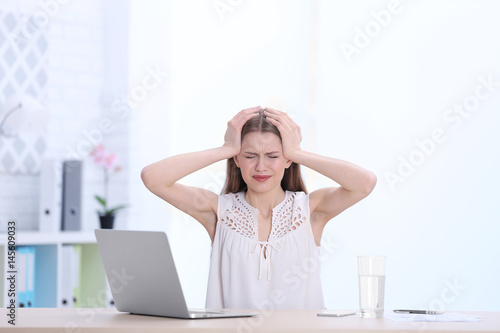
x=265, y=229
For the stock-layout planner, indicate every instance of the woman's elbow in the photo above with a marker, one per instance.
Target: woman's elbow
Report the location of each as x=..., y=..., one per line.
x=146, y=177
x=370, y=182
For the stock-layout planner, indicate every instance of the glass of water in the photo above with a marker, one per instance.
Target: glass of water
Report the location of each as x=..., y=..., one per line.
x=371, y=274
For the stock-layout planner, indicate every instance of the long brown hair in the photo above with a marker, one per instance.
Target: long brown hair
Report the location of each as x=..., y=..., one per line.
x=292, y=179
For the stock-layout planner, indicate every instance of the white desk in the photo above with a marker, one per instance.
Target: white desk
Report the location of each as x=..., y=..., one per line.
x=53, y=320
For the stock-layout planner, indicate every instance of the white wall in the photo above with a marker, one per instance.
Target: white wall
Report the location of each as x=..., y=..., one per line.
x=433, y=212
x=150, y=125
x=377, y=107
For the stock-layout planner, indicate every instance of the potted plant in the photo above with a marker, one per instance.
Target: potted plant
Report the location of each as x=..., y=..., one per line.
x=109, y=163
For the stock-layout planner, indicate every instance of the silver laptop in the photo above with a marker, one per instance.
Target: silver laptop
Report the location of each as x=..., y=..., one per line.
x=142, y=276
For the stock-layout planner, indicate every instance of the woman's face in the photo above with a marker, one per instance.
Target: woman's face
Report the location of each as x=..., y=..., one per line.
x=261, y=161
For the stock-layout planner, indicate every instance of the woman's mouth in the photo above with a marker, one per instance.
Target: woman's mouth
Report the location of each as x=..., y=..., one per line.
x=260, y=178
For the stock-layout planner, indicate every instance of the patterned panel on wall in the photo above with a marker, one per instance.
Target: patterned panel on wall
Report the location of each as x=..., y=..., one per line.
x=23, y=70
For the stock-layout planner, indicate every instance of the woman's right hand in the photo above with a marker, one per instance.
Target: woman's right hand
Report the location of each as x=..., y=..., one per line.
x=232, y=138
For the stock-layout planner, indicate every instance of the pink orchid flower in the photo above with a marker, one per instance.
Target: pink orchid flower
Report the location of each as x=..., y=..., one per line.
x=109, y=164
x=110, y=161
x=99, y=155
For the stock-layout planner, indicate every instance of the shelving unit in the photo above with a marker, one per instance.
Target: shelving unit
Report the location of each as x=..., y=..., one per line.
x=92, y=289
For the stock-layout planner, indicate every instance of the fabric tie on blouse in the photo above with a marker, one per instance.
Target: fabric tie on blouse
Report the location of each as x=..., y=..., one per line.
x=264, y=245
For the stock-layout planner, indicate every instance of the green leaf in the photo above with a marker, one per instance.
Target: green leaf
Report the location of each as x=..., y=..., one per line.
x=113, y=210
x=101, y=200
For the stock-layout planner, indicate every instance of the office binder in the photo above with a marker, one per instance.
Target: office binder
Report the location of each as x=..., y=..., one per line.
x=22, y=270
x=66, y=295
x=50, y=195
x=26, y=277
x=30, y=281
x=70, y=261
x=71, y=196
x=76, y=267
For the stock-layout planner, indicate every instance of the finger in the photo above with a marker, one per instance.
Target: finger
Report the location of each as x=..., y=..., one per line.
x=247, y=118
x=243, y=116
x=280, y=117
x=276, y=123
x=279, y=113
x=272, y=111
x=245, y=112
x=251, y=110
x=285, y=118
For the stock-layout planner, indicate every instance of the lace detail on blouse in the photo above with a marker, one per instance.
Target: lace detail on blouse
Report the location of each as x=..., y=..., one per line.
x=287, y=218
x=242, y=217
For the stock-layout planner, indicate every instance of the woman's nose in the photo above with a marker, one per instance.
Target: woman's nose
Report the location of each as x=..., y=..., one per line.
x=260, y=165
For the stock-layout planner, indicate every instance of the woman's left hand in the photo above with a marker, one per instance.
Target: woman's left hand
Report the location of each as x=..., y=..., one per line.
x=289, y=130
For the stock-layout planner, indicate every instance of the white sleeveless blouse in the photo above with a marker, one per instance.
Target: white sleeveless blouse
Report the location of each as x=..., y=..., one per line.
x=283, y=272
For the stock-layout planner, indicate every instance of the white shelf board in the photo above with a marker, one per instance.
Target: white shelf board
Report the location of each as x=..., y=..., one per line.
x=47, y=238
